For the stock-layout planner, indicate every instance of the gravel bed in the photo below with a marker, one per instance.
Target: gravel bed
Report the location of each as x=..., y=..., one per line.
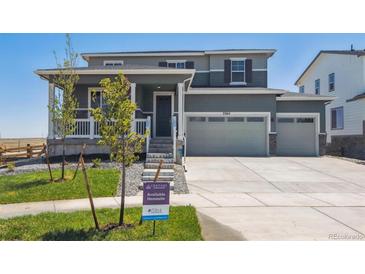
x=133, y=179
x=180, y=186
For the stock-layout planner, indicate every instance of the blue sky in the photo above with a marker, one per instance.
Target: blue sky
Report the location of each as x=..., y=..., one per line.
x=23, y=100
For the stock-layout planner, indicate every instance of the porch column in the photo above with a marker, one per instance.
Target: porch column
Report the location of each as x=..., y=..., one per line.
x=180, y=127
x=51, y=98
x=133, y=99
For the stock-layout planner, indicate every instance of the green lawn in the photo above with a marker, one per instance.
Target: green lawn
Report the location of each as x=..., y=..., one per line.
x=78, y=226
x=35, y=186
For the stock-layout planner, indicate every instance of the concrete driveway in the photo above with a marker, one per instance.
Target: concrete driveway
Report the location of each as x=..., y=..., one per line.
x=281, y=198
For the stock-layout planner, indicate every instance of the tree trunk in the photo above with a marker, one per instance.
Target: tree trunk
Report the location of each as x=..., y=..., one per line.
x=122, y=196
x=63, y=160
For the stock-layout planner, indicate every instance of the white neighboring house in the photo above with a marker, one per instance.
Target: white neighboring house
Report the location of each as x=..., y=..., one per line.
x=340, y=73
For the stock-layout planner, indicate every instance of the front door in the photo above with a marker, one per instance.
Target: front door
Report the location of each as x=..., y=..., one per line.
x=163, y=115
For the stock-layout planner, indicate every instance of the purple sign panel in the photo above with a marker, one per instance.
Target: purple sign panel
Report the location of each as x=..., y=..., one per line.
x=156, y=193
x=156, y=200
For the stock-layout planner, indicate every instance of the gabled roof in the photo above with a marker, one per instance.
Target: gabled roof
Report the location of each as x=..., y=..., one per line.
x=345, y=52
x=268, y=52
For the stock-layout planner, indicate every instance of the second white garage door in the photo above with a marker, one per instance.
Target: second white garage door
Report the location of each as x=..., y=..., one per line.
x=296, y=136
x=226, y=136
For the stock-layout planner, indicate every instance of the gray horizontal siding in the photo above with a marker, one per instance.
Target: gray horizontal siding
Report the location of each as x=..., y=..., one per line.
x=230, y=103
x=304, y=107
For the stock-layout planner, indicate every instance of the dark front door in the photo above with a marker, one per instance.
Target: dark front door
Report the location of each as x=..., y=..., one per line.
x=163, y=115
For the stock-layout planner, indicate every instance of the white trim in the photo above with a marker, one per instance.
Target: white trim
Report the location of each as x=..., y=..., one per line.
x=230, y=90
x=176, y=61
x=259, y=69
x=238, y=58
x=117, y=71
x=202, y=71
x=269, y=51
x=161, y=93
x=180, y=94
x=306, y=98
x=266, y=115
x=113, y=61
x=314, y=115
x=216, y=70
x=238, y=71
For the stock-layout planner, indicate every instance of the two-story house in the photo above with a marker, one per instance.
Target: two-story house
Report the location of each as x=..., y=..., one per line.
x=340, y=73
x=213, y=102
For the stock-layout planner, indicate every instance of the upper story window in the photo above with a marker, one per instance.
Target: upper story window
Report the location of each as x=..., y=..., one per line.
x=331, y=82
x=113, y=63
x=337, y=118
x=237, y=71
x=301, y=89
x=317, y=86
x=176, y=64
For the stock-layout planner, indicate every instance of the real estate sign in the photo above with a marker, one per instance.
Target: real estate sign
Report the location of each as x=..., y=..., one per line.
x=156, y=201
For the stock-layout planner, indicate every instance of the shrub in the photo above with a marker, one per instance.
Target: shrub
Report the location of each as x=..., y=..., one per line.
x=96, y=163
x=11, y=166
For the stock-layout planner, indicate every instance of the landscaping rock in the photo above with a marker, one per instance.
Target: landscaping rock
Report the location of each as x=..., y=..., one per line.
x=133, y=179
x=180, y=186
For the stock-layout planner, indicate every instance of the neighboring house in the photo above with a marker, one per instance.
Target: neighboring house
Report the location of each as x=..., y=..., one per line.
x=217, y=101
x=340, y=73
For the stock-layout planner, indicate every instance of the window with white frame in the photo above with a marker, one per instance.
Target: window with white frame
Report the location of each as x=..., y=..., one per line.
x=179, y=64
x=317, y=86
x=238, y=71
x=113, y=63
x=301, y=89
x=337, y=118
x=331, y=82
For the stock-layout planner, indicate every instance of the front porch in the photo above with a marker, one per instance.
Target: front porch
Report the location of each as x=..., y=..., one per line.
x=160, y=108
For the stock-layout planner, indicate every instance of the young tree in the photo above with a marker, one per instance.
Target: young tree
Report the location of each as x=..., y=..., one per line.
x=115, y=118
x=65, y=105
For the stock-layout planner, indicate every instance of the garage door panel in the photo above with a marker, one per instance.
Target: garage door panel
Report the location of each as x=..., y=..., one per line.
x=296, y=136
x=233, y=137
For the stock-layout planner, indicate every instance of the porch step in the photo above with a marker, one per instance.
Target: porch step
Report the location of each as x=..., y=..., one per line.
x=163, y=172
x=160, y=145
x=161, y=140
x=160, y=150
x=168, y=178
x=155, y=165
x=159, y=155
x=157, y=161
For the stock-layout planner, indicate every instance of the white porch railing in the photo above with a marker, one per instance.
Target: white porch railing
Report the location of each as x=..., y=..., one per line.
x=173, y=134
x=89, y=128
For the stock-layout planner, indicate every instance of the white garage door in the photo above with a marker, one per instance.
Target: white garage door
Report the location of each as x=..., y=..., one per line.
x=226, y=136
x=296, y=136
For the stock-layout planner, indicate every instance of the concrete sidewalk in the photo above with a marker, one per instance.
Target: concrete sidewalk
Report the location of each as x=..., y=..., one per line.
x=20, y=209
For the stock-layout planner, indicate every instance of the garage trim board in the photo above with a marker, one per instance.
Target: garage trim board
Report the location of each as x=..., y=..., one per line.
x=315, y=116
x=265, y=115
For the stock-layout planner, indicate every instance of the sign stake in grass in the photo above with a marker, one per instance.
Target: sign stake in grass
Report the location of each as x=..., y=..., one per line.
x=86, y=179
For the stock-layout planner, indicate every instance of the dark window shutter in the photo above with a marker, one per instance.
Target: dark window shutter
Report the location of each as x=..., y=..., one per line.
x=162, y=64
x=248, y=70
x=227, y=71
x=189, y=65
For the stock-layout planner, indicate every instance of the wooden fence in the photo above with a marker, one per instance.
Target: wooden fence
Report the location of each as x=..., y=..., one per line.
x=15, y=153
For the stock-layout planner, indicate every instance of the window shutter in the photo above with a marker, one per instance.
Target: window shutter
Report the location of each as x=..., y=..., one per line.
x=227, y=71
x=189, y=65
x=248, y=70
x=162, y=64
